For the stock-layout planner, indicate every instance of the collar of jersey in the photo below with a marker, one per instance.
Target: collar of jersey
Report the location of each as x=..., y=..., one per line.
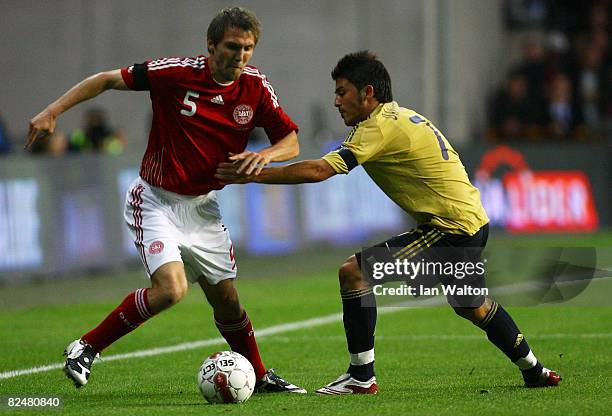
x=220, y=84
x=376, y=111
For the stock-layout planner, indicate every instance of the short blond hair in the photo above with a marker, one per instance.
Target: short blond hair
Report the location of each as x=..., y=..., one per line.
x=238, y=17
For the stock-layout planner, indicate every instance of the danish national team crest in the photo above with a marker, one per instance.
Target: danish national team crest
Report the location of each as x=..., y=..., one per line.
x=156, y=247
x=243, y=114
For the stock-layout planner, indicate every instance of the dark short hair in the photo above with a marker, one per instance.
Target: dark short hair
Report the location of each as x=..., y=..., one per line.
x=363, y=68
x=238, y=17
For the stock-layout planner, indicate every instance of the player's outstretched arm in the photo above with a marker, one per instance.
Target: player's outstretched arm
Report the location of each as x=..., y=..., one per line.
x=43, y=124
x=306, y=171
x=253, y=162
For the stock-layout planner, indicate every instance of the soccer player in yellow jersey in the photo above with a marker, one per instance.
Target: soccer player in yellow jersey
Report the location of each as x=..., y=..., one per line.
x=415, y=165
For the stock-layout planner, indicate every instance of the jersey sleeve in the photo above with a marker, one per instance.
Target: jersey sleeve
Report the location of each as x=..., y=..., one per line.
x=271, y=116
x=136, y=77
x=362, y=144
x=152, y=74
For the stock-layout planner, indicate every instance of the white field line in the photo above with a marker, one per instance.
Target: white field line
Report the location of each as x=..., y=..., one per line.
x=276, y=329
x=436, y=337
x=288, y=327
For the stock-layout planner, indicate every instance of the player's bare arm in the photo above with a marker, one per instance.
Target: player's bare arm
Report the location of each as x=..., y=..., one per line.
x=307, y=171
x=43, y=124
x=253, y=162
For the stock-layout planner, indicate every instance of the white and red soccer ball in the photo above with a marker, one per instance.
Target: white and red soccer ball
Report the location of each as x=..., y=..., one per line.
x=226, y=377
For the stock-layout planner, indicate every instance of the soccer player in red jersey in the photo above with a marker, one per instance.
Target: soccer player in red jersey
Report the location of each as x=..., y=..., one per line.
x=204, y=109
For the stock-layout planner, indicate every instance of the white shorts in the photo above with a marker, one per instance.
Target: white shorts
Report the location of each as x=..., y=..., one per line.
x=170, y=227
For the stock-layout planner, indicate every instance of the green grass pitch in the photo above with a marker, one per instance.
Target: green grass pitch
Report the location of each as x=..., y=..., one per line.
x=428, y=360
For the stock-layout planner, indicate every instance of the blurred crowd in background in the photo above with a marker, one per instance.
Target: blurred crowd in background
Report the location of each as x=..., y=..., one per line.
x=561, y=86
x=95, y=135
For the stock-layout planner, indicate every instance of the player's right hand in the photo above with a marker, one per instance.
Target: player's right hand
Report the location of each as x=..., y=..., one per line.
x=41, y=126
x=250, y=162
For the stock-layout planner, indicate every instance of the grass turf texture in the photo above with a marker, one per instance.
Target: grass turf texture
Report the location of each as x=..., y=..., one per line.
x=428, y=360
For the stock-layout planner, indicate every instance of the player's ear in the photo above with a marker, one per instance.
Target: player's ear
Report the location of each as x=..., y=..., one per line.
x=367, y=92
x=210, y=45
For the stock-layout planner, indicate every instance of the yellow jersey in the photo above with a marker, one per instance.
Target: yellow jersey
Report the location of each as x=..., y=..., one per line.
x=414, y=164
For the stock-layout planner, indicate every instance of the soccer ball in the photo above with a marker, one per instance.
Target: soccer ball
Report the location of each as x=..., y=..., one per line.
x=226, y=377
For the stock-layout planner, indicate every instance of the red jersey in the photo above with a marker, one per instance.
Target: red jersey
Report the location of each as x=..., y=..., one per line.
x=198, y=122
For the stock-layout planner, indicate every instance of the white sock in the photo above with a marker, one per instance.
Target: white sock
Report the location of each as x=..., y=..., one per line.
x=527, y=362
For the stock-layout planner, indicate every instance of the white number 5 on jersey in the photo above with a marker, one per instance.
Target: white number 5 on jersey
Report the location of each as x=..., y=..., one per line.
x=189, y=103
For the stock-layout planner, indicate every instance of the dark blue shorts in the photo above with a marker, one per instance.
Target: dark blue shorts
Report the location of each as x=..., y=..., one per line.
x=426, y=257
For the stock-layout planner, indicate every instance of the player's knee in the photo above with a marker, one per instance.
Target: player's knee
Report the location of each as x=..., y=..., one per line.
x=223, y=296
x=177, y=292
x=172, y=294
x=466, y=313
x=475, y=315
x=229, y=298
x=350, y=275
x=226, y=304
x=169, y=286
x=169, y=291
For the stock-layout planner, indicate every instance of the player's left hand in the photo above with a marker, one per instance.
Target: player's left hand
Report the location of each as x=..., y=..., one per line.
x=250, y=162
x=227, y=173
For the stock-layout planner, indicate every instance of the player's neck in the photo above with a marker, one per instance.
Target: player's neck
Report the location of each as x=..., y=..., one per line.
x=223, y=84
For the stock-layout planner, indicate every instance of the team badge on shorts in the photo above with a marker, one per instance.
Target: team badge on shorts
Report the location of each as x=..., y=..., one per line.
x=156, y=247
x=243, y=114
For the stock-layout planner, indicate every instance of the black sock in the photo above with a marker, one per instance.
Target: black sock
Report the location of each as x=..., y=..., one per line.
x=359, y=317
x=532, y=375
x=504, y=334
x=362, y=372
